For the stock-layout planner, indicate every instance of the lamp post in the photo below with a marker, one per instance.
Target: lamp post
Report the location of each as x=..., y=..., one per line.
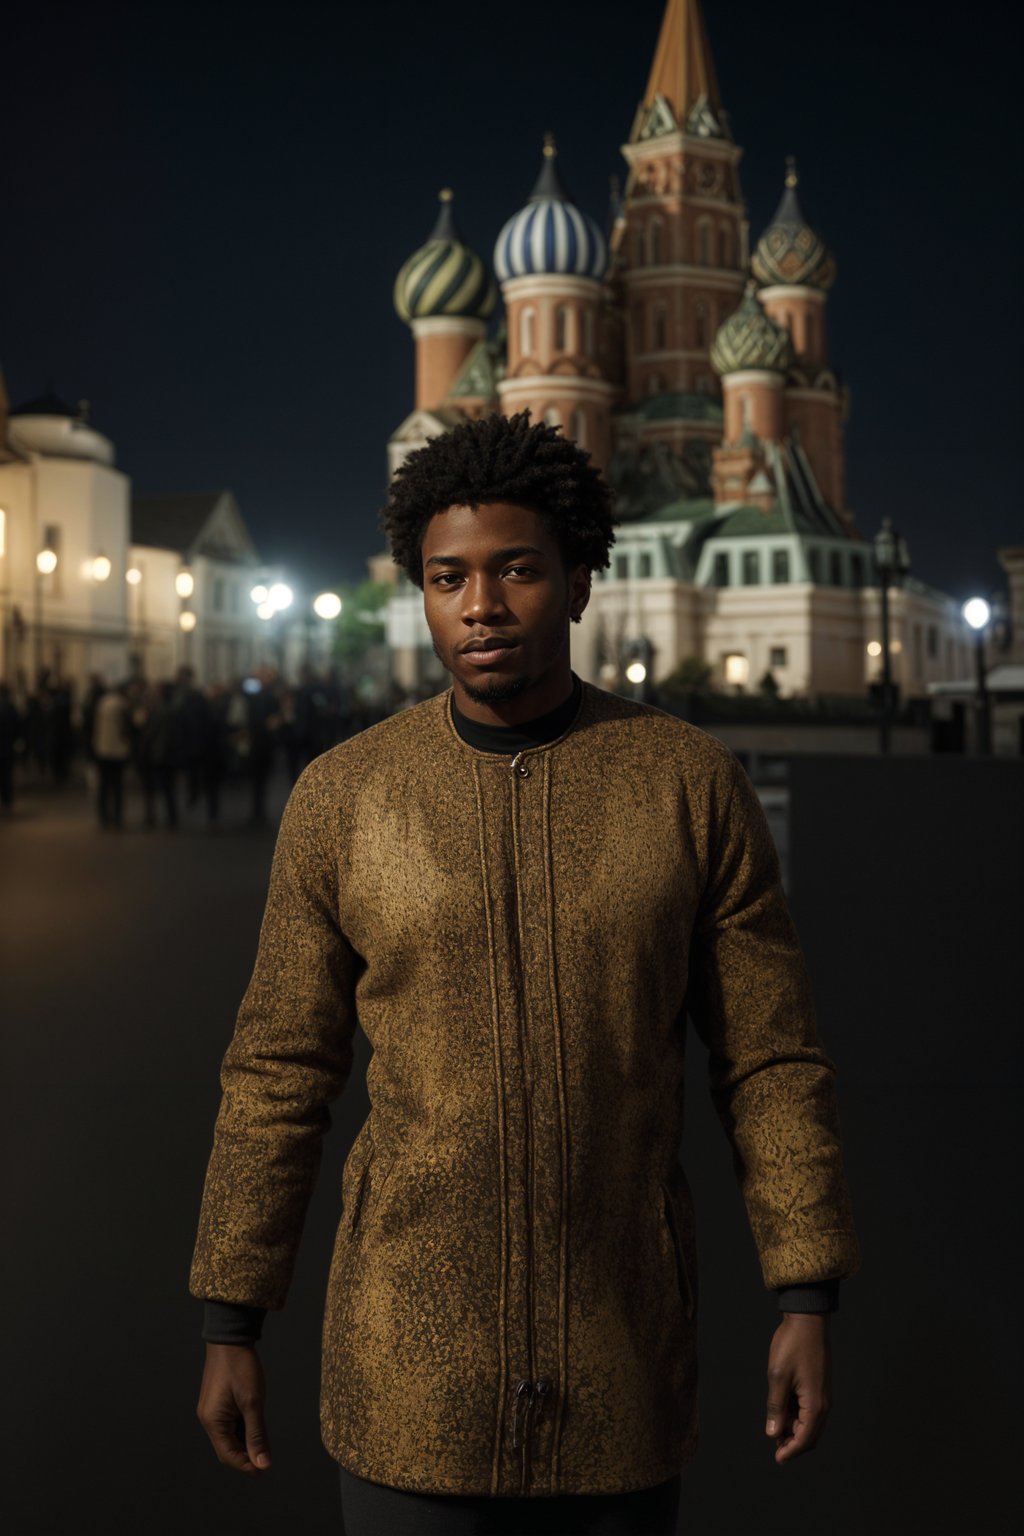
x=327, y=606
x=978, y=614
x=46, y=564
x=892, y=563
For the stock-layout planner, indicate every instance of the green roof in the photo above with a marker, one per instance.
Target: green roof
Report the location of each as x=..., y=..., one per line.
x=746, y=520
x=677, y=405
x=686, y=510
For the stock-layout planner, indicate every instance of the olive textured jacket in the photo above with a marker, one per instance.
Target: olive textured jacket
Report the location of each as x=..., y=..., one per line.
x=512, y=1299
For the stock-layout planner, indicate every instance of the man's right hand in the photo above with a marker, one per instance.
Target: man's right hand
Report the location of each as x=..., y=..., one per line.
x=230, y=1407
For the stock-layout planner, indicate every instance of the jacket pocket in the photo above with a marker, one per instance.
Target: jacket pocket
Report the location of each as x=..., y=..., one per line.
x=357, y=1202
x=682, y=1271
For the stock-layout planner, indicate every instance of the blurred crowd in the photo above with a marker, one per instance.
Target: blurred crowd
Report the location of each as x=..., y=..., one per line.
x=180, y=742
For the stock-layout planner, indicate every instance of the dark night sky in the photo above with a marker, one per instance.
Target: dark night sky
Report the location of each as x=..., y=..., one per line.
x=205, y=208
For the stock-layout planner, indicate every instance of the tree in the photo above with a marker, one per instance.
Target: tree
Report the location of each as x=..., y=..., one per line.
x=360, y=623
x=691, y=675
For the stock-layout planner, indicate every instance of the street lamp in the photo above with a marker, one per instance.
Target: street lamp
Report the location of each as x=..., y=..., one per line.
x=978, y=613
x=327, y=606
x=46, y=564
x=892, y=563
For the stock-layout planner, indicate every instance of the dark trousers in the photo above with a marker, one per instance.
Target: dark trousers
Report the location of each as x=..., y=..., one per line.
x=111, y=791
x=160, y=780
x=373, y=1509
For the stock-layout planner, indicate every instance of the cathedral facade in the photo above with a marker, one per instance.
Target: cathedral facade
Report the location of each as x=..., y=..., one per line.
x=696, y=372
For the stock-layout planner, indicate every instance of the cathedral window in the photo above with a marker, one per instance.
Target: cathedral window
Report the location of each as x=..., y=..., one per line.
x=780, y=565
x=527, y=331
x=809, y=332
x=655, y=237
x=720, y=573
x=639, y=329
x=835, y=568
x=660, y=328
x=724, y=246
x=552, y=417
x=704, y=243
x=751, y=567
x=645, y=563
x=638, y=248
x=579, y=427
x=588, y=332
x=700, y=315
x=561, y=328
x=745, y=411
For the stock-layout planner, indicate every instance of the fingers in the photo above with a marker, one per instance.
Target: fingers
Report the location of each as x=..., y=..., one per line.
x=796, y=1416
x=231, y=1408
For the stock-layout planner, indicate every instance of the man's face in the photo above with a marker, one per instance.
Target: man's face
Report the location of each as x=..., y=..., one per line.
x=496, y=570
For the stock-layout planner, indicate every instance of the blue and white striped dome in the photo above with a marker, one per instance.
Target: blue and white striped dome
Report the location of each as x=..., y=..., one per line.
x=550, y=235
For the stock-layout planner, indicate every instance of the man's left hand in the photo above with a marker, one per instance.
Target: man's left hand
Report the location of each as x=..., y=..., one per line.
x=799, y=1382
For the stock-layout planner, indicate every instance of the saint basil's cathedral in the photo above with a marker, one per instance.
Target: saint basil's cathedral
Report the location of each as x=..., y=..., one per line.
x=696, y=373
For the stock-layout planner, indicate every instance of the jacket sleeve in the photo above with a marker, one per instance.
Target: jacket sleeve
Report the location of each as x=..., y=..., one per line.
x=289, y=1057
x=772, y=1084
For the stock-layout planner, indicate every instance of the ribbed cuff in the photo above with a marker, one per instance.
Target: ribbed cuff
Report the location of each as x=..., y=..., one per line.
x=231, y=1322
x=821, y=1296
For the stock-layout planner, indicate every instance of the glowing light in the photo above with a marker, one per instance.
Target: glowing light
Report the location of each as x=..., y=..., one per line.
x=259, y=594
x=133, y=575
x=101, y=568
x=280, y=595
x=46, y=561
x=184, y=583
x=327, y=605
x=266, y=610
x=636, y=672
x=187, y=620
x=874, y=647
x=977, y=612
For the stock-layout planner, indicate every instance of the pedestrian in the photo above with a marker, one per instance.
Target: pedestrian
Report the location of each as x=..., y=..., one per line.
x=262, y=727
x=111, y=748
x=12, y=730
x=160, y=752
x=216, y=748
x=192, y=732
x=521, y=888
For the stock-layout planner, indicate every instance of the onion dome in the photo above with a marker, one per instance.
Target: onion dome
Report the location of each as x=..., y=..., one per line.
x=750, y=339
x=790, y=251
x=445, y=277
x=550, y=235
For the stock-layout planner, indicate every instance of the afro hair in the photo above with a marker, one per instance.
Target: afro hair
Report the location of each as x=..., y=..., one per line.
x=502, y=458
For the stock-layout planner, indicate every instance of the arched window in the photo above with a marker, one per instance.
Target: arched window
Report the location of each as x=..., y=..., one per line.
x=654, y=237
x=639, y=329
x=588, y=332
x=704, y=243
x=745, y=411
x=579, y=426
x=809, y=331
x=660, y=328
x=725, y=246
x=561, y=328
x=638, y=248
x=552, y=417
x=527, y=331
x=700, y=323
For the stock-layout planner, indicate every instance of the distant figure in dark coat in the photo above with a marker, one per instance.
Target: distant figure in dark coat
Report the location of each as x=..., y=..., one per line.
x=12, y=730
x=159, y=751
x=112, y=747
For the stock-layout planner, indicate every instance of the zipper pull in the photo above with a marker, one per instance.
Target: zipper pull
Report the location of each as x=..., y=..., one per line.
x=524, y=1387
x=543, y=1388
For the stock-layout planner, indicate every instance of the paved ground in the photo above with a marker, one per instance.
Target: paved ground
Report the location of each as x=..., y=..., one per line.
x=124, y=957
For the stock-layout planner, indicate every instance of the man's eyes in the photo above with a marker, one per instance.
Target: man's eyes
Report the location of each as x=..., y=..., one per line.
x=529, y=569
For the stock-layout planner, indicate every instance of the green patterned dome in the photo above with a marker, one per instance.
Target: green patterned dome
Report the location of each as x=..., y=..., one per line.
x=445, y=277
x=749, y=339
x=790, y=251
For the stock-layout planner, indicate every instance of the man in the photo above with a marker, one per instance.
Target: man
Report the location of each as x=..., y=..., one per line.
x=520, y=887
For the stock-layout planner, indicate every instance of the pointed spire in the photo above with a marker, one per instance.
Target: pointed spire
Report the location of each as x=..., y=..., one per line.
x=789, y=210
x=445, y=228
x=683, y=70
x=549, y=183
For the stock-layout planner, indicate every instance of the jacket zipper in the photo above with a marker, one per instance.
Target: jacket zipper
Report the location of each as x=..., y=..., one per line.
x=525, y=1389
